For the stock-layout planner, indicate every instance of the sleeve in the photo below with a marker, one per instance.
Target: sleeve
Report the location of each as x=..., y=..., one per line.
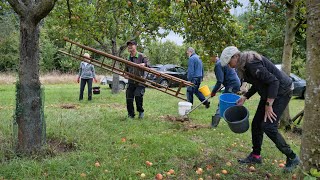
x=218, y=71
x=259, y=72
x=190, y=69
x=146, y=61
x=250, y=92
x=80, y=70
x=93, y=71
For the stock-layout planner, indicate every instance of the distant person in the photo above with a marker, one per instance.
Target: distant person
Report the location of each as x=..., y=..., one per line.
x=195, y=75
x=274, y=88
x=86, y=74
x=227, y=77
x=135, y=90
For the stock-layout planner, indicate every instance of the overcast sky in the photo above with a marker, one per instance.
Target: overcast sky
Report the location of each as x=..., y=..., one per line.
x=179, y=40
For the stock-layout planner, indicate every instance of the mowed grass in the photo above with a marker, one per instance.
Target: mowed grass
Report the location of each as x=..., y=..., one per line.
x=100, y=132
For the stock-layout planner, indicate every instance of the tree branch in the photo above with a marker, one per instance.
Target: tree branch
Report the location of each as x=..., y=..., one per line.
x=42, y=9
x=18, y=7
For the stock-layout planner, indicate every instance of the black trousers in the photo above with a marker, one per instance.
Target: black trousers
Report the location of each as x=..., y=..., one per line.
x=270, y=129
x=83, y=83
x=134, y=92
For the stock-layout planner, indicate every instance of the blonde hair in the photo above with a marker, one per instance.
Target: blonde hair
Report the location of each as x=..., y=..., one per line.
x=246, y=56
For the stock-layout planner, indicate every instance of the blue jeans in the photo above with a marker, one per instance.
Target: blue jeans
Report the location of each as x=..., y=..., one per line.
x=195, y=90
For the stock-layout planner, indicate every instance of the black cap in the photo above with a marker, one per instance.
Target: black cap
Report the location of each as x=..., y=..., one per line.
x=131, y=42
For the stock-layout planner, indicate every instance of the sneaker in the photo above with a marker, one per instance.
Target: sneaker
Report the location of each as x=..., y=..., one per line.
x=250, y=160
x=207, y=104
x=215, y=121
x=291, y=164
x=141, y=115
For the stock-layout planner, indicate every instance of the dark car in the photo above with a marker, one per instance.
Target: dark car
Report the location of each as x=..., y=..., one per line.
x=171, y=69
x=299, y=84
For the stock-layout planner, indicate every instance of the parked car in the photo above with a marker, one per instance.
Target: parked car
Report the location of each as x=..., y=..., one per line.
x=170, y=69
x=108, y=80
x=299, y=84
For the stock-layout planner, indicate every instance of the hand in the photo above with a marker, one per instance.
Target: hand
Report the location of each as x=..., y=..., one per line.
x=269, y=114
x=78, y=79
x=241, y=101
x=213, y=94
x=95, y=80
x=142, y=64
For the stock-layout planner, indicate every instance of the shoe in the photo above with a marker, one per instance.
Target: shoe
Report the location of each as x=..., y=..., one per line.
x=207, y=104
x=215, y=121
x=130, y=117
x=291, y=164
x=141, y=115
x=250, y=160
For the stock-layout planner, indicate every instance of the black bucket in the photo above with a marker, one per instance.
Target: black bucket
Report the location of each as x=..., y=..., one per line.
x=96, y=90
x=237, y=118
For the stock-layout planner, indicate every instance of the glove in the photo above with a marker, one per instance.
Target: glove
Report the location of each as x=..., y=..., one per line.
x=213, y=94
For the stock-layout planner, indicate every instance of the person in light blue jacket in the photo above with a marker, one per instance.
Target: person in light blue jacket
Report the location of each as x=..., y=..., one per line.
x=86, y=74
x=195, y=75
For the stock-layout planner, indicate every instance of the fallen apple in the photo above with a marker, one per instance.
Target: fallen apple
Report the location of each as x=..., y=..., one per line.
x=159, y=176
x=148, y=163
x=83, y=175
x=281, y=165
x=171, y=171
x=217, y=176
x=97, y=164
x=228, y=164
x=224, y=171
x=142, y=175
x=294, y=176
x=252, y=169
x=199, y=171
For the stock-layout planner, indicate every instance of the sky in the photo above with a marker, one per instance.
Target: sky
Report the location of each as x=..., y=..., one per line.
x=179, y=40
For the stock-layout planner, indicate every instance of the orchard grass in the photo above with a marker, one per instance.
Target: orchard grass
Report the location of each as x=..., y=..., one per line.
x=99, y=131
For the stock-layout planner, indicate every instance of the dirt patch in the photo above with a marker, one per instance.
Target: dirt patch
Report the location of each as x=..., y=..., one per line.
x=68, y=106
x=175, y=119
x=56, y=146
x=185, y=121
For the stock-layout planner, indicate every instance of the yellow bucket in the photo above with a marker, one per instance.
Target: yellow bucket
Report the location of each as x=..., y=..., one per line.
x=205, y=90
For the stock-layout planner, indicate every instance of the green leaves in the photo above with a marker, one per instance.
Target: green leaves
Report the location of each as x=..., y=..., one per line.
x=314, y=172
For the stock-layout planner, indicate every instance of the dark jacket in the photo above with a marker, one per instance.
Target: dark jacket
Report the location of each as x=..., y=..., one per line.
x=138, y=59
x=195, y=67
x=266, y=79
x=226, y=76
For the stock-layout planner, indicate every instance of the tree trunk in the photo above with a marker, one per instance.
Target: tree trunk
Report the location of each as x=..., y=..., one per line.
x=287, y=51
x=310, y=142
x=29, y=103
x=115, y=77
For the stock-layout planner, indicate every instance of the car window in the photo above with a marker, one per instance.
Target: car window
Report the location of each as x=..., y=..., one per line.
x=172, y=69
x=180, y=70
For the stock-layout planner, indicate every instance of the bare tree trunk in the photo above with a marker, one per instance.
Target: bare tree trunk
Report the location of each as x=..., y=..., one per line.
x=310, y=143
x=287, y=51
x=28, y=109
x=115, y=77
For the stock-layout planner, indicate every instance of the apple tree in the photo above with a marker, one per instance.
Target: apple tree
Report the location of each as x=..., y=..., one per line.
x=310, y=142
x=29, y=103
x=109, y=24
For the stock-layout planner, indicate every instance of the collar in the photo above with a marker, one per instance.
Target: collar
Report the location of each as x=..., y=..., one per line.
x=136, y=56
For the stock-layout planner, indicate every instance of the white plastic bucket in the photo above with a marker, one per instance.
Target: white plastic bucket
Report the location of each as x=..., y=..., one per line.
x=184, y=107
